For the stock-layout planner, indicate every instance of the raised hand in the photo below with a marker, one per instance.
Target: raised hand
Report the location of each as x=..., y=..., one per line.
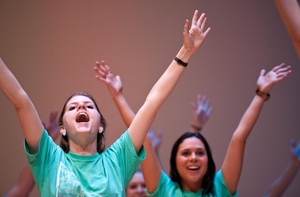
x=104, y=74
x=200, y=112
x=278, y=73
x=194, y=37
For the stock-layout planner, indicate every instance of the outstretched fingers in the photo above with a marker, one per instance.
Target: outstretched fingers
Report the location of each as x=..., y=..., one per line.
x=102, y=71
x=282, y=71
x=195, y=17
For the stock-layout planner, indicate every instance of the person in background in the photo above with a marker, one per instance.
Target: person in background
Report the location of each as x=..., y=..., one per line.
x=280, y=185
x=26, y=183
x=289, y=11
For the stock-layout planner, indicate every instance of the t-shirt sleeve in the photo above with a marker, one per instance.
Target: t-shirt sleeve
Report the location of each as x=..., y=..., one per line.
x=166, y=187
x=125, y=156
x=221, y=188
x=43, y=159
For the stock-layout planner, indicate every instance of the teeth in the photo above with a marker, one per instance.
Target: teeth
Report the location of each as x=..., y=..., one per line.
x=193, y=167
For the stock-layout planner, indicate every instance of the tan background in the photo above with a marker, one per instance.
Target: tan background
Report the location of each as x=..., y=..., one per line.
x=51, y=47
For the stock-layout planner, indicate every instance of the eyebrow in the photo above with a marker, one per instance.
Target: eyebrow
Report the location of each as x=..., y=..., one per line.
x=185, y=149
x=85, y=102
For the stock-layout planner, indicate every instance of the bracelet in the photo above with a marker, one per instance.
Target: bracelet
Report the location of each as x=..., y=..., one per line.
x=265, y=96
x=179, y=61
x=196, y=128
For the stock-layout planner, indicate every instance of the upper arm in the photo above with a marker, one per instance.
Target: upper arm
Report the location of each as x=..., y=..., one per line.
x=31, y=123
x=151, y=167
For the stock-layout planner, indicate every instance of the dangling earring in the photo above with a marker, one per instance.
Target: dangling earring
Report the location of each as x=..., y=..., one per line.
x=63, y=132
x=101, y=129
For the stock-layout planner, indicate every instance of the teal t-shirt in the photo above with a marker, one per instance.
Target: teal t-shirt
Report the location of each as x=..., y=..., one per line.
x=168, y=188
x=67, y=174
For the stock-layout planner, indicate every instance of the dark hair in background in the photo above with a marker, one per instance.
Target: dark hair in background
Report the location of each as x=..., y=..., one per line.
x=207, y=184
x=64, y=143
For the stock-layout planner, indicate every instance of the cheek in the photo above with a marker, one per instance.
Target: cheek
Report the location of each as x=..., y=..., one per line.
x=180, y=162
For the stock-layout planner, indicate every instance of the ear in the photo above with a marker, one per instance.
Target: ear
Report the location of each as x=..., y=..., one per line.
x=101, y=129
x=63, y=131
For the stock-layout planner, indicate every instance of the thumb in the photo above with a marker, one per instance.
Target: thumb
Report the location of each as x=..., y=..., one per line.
x=262, y=72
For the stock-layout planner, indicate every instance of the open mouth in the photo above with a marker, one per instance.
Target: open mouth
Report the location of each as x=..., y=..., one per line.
x=82, y=117
x=193, y=168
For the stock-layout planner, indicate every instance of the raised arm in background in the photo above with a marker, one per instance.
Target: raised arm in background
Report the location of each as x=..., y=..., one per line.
x=289, y=11
x=279, y=186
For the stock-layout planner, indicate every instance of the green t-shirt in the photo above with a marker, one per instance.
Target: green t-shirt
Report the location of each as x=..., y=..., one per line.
x=168, y=188
x=67, y=174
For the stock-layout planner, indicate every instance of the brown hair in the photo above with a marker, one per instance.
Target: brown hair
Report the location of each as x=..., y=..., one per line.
x=64, y=143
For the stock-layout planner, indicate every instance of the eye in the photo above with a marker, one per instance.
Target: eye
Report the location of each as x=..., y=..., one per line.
x=133, y=186
x=201, y=153
x=71, y=108
x=185, y=153
x=90, y=107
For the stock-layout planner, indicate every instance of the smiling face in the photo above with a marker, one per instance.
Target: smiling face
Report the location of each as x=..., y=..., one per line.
x=137, y=186
x=191, y=163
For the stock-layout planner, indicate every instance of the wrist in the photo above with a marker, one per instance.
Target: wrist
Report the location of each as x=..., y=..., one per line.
x=184, y=54
x=196, y=128
x=264, y=95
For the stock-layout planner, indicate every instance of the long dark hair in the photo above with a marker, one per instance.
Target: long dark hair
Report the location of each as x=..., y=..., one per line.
x=207, y=183
x=64, y=143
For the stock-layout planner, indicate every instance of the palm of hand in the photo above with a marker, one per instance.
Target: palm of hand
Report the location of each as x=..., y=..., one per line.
x=266, y=81
x=201, y=116
x=114, y=83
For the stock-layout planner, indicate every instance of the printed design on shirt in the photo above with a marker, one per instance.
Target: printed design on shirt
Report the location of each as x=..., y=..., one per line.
x=67, y=184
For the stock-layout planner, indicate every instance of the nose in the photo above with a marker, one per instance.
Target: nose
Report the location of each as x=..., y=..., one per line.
x=193, y=156
x=81, y=106
x=140, y=189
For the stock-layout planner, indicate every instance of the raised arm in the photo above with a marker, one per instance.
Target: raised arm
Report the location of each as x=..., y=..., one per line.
x=193, y=39
x=289, y=11
x=27, y=114
x=232, y=165
x=279, y=186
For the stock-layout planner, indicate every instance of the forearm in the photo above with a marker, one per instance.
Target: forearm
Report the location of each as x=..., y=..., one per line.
x=249, y=119
x=11, y=87
x=125, y=110
x=233, y=162
x=278, y=187
x=164, y=86
x=24, y=185
x=289, y=11
x=29, y=119
x=157, y=96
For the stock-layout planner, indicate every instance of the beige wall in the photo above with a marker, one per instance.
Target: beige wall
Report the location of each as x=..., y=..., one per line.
x=51, y=47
